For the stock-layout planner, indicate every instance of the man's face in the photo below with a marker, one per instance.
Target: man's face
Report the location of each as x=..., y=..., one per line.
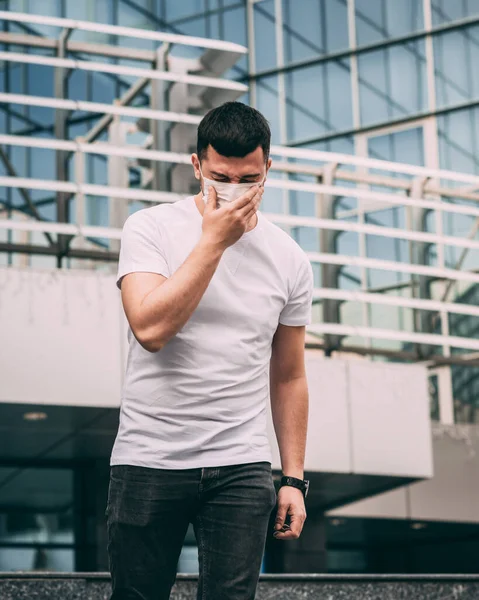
x=251, y=168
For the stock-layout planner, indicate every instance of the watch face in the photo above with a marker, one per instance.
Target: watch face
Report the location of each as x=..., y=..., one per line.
x=306, y=488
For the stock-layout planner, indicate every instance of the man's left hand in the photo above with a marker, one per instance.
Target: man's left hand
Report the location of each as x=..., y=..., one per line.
x=290, y=502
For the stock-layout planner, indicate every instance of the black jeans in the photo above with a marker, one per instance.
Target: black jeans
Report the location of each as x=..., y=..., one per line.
x=148, y=514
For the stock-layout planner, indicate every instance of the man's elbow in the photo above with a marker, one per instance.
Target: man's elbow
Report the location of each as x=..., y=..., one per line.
x=151, y=342
x=153, y=348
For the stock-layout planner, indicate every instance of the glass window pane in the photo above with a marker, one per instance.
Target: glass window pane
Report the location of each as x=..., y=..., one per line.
x=37, y=509
x=303, y=203
x=195, y=27
x=401, y=146
x=342, y=145
x=40, y=82
x=48, y=8
x=458, y=134
x=382, y=19
x=312, y=28
x=318, y=100
x=38, y=559
x=264, y=35
x=383, y=94
x=90, y=10
x=444, y=11
x=233, y=26
x=466, y=405
x=451, y=49
x=42, y=166
x=185, y=8
x=267, y=103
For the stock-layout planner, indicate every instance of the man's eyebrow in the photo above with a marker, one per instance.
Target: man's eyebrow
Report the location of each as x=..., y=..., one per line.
x=248, y=176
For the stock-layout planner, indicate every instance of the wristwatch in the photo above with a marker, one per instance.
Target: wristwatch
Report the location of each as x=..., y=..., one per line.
x=301, y=484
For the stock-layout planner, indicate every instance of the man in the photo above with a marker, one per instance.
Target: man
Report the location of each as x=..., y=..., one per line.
x=217, y=299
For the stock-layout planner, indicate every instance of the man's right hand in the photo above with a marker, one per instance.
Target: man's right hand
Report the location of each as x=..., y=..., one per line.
x=225, y=225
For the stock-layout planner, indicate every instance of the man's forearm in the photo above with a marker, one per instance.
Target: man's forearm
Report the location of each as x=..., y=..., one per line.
x=168, y=307
x=289, y=409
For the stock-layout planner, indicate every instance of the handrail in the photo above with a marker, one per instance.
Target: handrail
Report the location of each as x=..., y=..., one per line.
x=315, y=257
x=132, y=151
x=292, y=220
x=390, y=265
x=402, y=301
x=373, y=163
x=97, y=107
x=100, y=148
x=91, y=189
x=171, y=38
x=397, y=336
x=100, y=67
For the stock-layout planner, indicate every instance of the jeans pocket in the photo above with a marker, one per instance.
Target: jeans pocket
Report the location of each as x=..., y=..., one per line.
x=129, y=502
x=274, y=493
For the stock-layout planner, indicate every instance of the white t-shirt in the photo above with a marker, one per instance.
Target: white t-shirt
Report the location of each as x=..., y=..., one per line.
x=201, y=400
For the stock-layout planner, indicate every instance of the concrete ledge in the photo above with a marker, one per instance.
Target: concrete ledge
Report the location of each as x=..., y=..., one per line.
x=96, y=586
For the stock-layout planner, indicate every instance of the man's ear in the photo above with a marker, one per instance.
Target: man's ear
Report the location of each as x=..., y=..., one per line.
x=195, y=161
x=268, y=166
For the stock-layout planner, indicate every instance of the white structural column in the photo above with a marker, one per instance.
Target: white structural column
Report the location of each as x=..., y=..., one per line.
x=283, y=132
x=361, y=150
x=79, y=173
x=117, y=178
x=446, y=397
x=158, y=129
x=444, y=375
x=429, y=49
x=252, y=50
x=327, y=242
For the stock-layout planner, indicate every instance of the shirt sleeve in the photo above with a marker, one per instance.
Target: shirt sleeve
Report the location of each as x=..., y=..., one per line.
x=141, y=247
x=297, y=310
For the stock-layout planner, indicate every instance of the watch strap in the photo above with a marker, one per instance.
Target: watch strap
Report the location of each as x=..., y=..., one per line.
x=301, y=484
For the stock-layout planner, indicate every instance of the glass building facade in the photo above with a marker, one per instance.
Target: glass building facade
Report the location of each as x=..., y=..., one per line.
x=372, y=78
x=387, y=79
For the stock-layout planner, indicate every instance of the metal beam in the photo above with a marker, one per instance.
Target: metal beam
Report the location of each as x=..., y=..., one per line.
x=105, y=68
x=34, y=41
x=415, y=219
x=327, y=244
x=183, y=158
x=432, y=361
x=105, y=121
x=371, y=163
x=158, y=130
x=386, y=43
x=158, y=36
x=450, y=284
x=395, y=335
x=54, y=250
x=98, y=107
x=23, y=192
x=61, y=92
x=466, y=193
x=296, y=168
x=417, y=116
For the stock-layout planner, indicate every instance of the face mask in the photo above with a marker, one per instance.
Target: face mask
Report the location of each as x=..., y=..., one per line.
x=225, y=192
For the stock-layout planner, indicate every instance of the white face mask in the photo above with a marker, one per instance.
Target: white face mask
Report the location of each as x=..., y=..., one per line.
x=226, y=192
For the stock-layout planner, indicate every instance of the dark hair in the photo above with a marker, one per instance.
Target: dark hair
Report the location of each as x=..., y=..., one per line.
x=233, y=129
